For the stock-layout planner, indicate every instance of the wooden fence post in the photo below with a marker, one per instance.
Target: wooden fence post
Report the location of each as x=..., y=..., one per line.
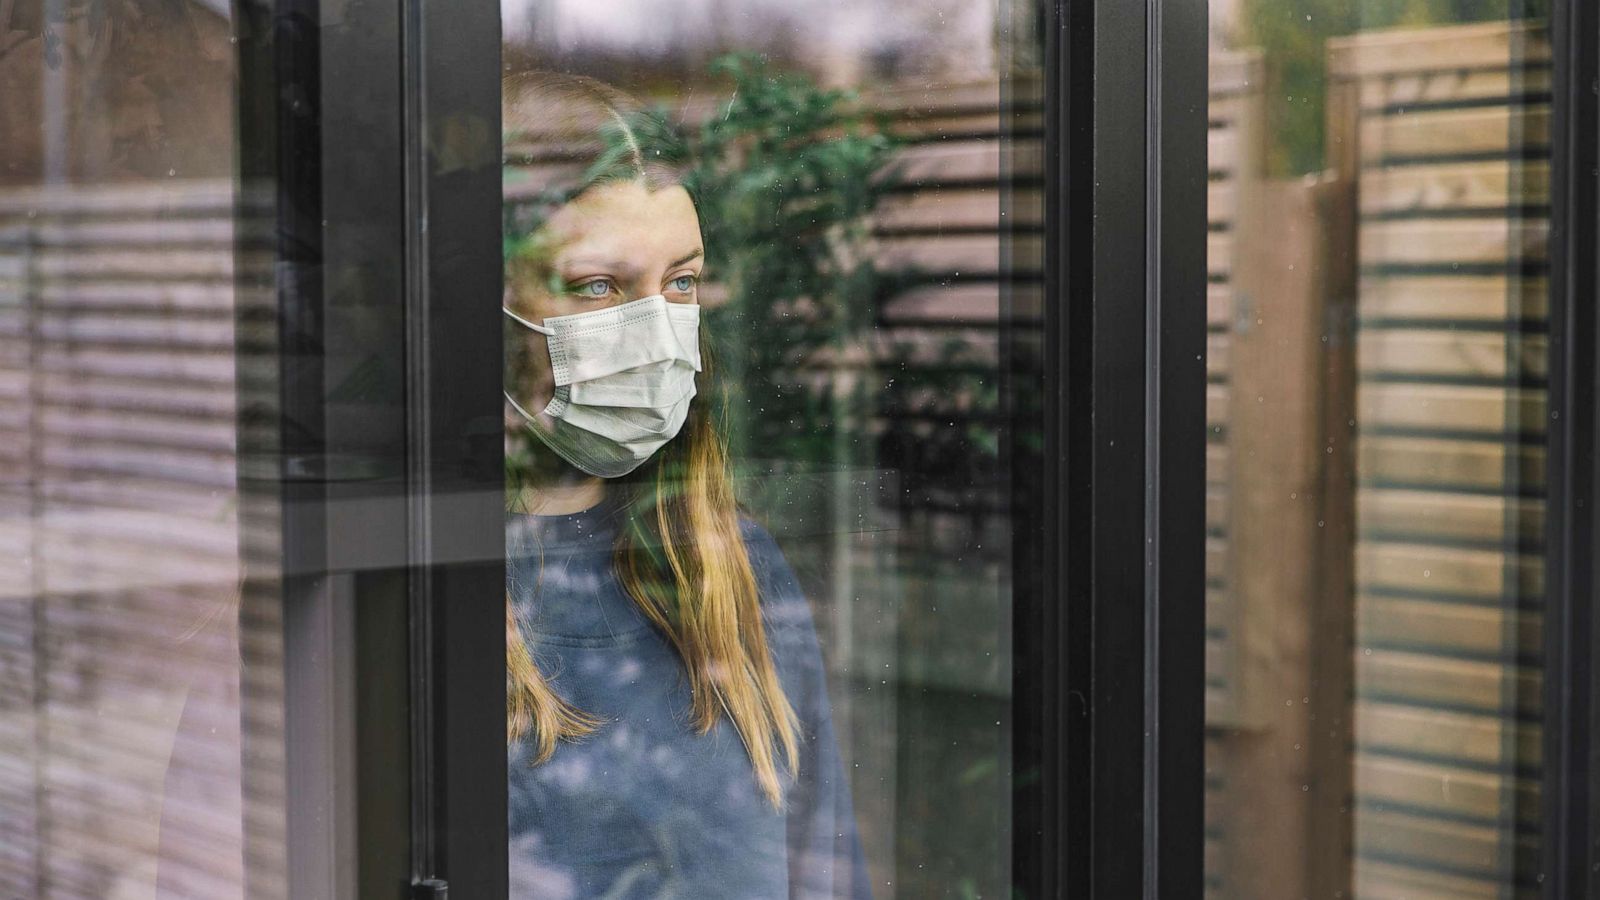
x=1330, y=826
x=1287, y=802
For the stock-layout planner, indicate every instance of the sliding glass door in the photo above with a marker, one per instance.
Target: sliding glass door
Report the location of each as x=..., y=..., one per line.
x=850, y=448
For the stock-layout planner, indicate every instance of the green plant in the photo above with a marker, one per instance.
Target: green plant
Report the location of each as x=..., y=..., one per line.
x=787, y=175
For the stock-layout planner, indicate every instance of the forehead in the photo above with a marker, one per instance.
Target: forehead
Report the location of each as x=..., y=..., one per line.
x=625, y=221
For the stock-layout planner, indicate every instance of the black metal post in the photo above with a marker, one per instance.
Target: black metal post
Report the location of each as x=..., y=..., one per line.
x=455, y=473
x=1119, y=610
x=1571, y=820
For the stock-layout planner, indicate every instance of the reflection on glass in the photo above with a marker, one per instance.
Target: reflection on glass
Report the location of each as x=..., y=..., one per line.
x=669, y=720
x=753, y=356
x=1377, y=425
x=121, y=663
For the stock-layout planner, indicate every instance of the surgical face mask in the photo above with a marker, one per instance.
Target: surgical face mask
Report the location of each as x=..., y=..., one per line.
x=624, y=378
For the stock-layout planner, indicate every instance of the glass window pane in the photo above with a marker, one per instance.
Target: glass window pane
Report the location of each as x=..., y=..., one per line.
x=1377, y=416
x=849, y=194
x=138, y=700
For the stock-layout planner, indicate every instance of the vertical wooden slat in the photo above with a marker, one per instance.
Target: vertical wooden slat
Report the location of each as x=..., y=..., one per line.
x=1239, y=644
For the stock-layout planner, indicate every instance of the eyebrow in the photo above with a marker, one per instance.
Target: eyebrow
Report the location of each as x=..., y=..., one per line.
x=611, y=265
x=617, y=265
x=695, y=254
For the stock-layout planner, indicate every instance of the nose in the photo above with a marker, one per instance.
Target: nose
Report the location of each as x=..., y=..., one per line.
x=640, y=289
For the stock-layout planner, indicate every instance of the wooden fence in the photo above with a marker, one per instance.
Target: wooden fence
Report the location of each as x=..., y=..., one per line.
x=969, y=220
x=1446, y=138
x=1376, y=478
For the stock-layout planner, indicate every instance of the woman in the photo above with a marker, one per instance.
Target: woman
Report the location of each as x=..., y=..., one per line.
x=667, y=715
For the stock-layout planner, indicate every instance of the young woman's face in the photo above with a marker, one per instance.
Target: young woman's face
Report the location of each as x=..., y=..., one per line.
x=614, y=243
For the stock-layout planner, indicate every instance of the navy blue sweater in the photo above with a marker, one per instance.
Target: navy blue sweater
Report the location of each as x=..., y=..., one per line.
x=647, y=806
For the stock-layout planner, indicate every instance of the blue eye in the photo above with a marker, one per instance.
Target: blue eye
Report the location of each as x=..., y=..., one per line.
x=683, y=283
x=597, y=288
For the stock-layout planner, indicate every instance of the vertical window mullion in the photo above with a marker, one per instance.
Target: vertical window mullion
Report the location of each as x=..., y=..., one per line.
x=1570, y=858
x=455, y=474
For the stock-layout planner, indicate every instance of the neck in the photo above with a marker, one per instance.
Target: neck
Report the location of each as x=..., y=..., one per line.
x=549, y=486
x=575, y=492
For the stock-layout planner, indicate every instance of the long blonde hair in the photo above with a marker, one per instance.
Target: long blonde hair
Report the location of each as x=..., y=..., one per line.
x=679, y=552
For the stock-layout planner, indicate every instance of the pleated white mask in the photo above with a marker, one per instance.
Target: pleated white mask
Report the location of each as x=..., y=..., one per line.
x=624, y=377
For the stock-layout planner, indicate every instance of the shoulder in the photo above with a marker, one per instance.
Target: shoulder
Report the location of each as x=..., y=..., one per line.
x=759, y=542
x=774, y=575
x=783, y=601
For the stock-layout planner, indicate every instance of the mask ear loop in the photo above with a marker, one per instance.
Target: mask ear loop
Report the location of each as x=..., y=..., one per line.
x=518, y=407
x=542, y=330
x=539, y=328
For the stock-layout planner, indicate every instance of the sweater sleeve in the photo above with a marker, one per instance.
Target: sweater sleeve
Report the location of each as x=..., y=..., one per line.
x=825, y=855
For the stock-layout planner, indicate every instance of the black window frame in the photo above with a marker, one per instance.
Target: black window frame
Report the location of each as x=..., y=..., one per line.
x=1570, y=790
x=306, y=83
x=1111, y=631
x=375, y=130
x=456, y=491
